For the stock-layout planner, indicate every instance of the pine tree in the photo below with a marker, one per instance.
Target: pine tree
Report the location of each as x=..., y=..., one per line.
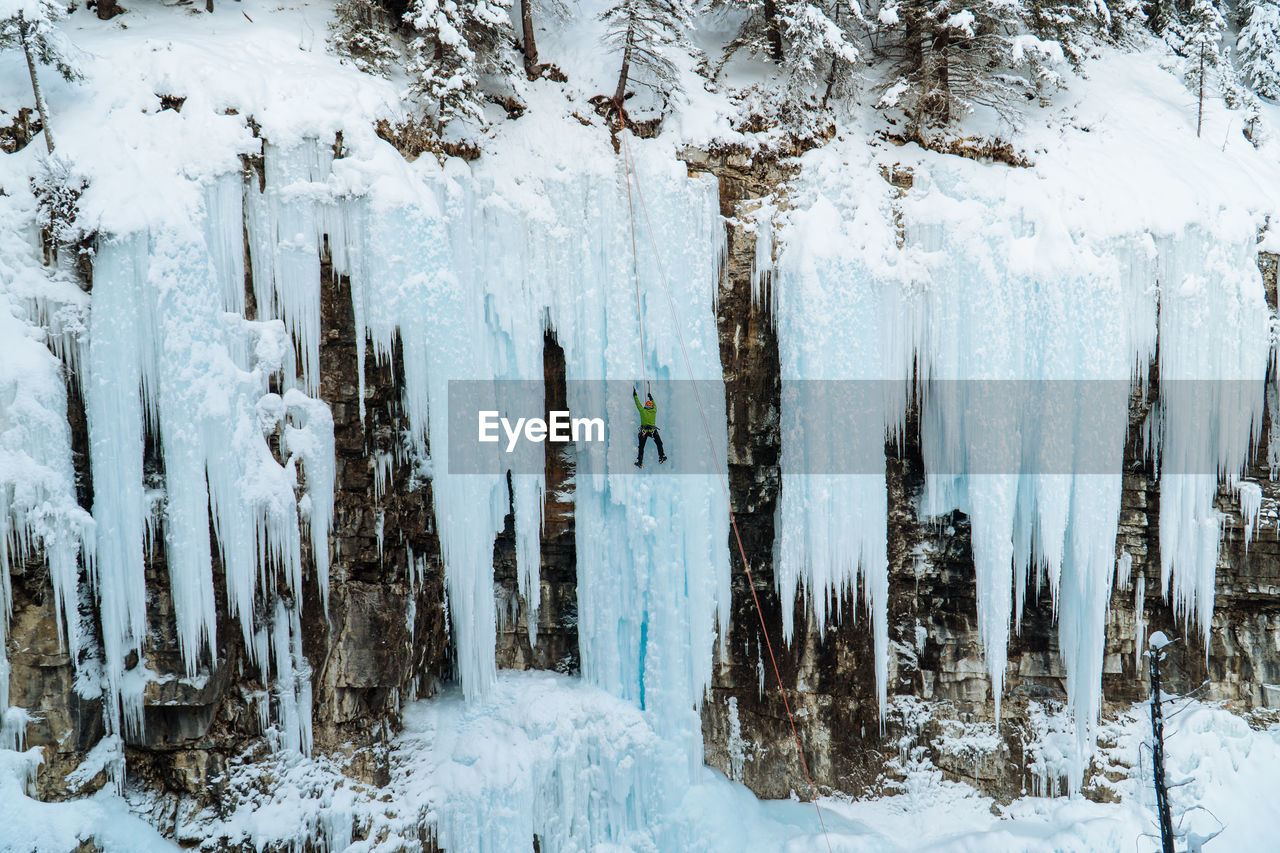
x=760, y=32
x=1073, y=24
x=1259, y=47
x=816, y=43
x=456, y=44
x=953, y=55
x=1162, y=15
x=30, y=26
x=1197, y=38
x=821, y=45
x=555, y=9
x=644, y=31
x=361, y=31
x=58, y=188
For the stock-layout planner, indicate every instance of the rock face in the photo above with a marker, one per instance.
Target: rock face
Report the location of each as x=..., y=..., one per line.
x=555, y=644
x=367, y=656
x=381, y=640
x=936, y=654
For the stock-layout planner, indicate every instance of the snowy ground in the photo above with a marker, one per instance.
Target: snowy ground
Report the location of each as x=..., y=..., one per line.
x=521, y=758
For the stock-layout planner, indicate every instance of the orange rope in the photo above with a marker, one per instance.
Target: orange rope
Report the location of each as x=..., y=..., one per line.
x=720, y=474
x=635, y=268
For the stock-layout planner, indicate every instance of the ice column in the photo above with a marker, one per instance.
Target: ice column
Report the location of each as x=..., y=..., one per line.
x=844, y=342
x=167, y=360
x=1214, y=351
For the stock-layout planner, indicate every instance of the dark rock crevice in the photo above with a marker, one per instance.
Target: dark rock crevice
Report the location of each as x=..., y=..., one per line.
x=556, y=646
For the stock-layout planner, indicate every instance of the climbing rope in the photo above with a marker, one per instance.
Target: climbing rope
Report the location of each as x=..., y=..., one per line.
x=721, y=477
x=635, y=264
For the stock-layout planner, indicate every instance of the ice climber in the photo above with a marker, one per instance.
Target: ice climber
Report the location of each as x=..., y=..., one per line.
x=648, y=414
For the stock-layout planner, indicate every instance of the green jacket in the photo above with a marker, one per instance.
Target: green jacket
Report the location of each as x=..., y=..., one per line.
x=648, y=411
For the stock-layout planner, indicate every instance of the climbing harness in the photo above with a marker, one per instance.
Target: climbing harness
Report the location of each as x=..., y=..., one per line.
x=632, y=173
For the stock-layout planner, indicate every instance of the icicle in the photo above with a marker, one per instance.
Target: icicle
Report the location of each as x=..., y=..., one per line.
x=469, y=285
x=292, y=685
x=285, y=248
x=1215, y=348
x=1124, y=569
x=118, y=331
x=38, y=509
x=160, y=327
x=311, y=441
x=762, y=263
x=1140, y=621
x=224, y=235
x=845, y=362
x=1250, y=509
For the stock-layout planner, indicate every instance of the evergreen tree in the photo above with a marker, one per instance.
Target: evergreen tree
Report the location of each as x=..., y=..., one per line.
x=954, y=54
x=361, y=31
x=457, y=44
x=30, y=26
x=1259, y=47
x=644, y=31
x=555, y=9
x=1073, y=24
x=820, y=44
x=1162, y=15
x=58, y=188
x=1197, y=38
x=816, y=43
x=760, y=32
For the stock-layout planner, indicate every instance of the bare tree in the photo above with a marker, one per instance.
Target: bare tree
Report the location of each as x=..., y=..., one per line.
x=555, y=9
x=1197, y=39
x=644, y=30
x=41, y=44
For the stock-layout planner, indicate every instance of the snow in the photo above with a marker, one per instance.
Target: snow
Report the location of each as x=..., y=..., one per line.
x=551, y=756
x=31, y=825
x=1025, y=301
x=1128, y=232
x=106, y=756
x=39, y=514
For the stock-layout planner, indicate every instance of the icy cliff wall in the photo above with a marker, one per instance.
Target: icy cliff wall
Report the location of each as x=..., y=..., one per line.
x=951, y=301
x=226, y=452
x=278, y=547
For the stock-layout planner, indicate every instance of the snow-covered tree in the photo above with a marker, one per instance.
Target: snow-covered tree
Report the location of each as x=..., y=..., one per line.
x=555, y=9
x=458, y=44
x=1259, y=47
x=954, y=54
x=1197, y=37
x=760, y=32
x=58, y=187
x=361, y=31
x=29, y=25
x=1161, y=15
x=816, y=43
x=1073, y=24
x=644, y=32
x=820, y=44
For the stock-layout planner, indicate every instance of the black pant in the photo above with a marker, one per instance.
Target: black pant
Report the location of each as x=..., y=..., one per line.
x=645, y=433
